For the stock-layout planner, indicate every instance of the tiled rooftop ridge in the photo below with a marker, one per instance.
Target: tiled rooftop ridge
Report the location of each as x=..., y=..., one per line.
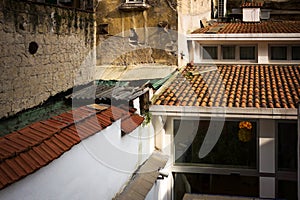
x=27, y=150
x=261, y=27
x=260, y=86
x=252, y=4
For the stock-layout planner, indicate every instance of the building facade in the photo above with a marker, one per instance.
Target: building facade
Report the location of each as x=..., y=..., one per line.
x=228, y=119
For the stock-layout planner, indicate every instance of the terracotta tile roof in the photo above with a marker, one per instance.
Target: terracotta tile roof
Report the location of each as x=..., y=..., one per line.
x=262, y=27
x=25, y=151
x=260, y=86
x=252, y=5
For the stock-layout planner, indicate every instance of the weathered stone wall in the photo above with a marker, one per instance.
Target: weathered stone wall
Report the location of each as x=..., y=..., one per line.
x=63, y=40
x=152, y=45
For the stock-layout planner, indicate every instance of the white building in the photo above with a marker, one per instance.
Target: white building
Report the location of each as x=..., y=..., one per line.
x=88, y=153
x=228, y=119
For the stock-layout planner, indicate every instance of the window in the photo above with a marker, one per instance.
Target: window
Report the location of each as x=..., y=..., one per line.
x=287, y=189
x=210, y=52
x=228, y=52
x=287, y=160
x=236, y=146
x=287, y=146
x=247, y=53
x=278, y=53
x=295, y=52
x=215, y=184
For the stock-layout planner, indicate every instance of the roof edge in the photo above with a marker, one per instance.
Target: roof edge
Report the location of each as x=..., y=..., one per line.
x=221, y=112
x=163, y=87
x=248, y=36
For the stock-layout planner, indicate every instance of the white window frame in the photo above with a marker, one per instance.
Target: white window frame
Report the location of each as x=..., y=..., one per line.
x=213, y=168
x=292, y=52
x=220, y=53
x=255, y=53
x=289, y=52
x=235, y=52
x=202, y=52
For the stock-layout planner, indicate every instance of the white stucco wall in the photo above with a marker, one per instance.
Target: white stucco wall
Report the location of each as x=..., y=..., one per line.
x=162, y=189
x=251, y=14
x=189, y=15
x=96, y=168
x=267, y=157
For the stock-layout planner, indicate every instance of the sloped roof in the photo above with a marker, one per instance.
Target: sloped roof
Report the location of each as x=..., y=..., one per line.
x=102, y=91
x=27, y=150
x=253, y=86
x=262, y=27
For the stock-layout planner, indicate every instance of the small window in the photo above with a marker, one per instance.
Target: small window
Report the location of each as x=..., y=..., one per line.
x=210, y=52
x=278, y=53
x=247, y=53
x=295, y=52
x=228, y=52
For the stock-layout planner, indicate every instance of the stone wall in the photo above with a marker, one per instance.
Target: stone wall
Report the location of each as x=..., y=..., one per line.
x=155, y=27
x=44, y=50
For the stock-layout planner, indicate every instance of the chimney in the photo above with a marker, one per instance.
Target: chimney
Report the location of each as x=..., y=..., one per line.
x=251, y=11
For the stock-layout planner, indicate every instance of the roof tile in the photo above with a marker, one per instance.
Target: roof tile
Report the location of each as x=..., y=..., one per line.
x=33, y=147
x=260, y=86
x=131, y=123
x=252, y=4
x=262, y=27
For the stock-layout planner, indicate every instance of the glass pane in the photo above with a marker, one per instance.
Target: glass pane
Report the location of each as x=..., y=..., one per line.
x=287, y=190
x=236, y=146
x=287, y=146
x=279, y=53
x=296, y=52
x=228, y=52
x=210, y=52
x=216, y=185
x=247, y=53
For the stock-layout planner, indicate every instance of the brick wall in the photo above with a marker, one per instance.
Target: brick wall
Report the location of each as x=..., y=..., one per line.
x=44, y=50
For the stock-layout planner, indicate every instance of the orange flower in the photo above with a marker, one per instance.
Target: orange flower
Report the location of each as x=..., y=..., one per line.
x=245, y=124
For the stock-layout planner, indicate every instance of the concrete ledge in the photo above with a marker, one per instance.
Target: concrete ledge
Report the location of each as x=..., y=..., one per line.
x=222, y=112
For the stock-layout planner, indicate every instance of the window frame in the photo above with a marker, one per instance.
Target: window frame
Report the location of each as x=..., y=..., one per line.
x=235, y=52
x=216, y=168
x=292, y=52
x=220, y=53
x=255, y=52
x=278, y=46
x=203, y=48
x=289, y=52
x=280, y=174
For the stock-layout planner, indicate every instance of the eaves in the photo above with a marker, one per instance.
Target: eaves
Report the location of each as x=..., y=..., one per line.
x=245, y=37
x=224, y=112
